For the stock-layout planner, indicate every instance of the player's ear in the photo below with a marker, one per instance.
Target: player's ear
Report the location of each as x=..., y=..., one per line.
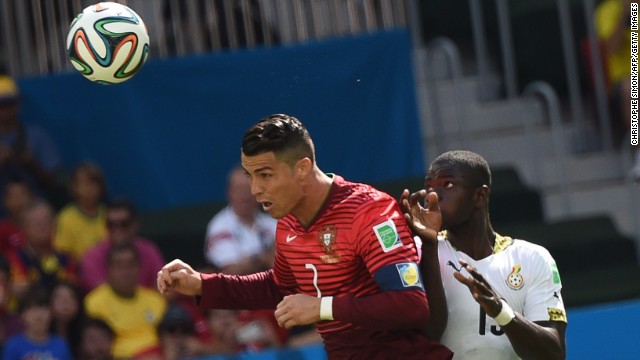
x=482, y=196
x=303, y=167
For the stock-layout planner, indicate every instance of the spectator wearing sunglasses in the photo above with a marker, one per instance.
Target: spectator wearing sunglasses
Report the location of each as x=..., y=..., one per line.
x=122, y=227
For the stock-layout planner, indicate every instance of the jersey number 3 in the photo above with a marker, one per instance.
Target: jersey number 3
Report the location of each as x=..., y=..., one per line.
x=315, y=277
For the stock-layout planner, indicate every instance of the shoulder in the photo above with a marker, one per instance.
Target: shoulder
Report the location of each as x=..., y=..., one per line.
x=95, y=296
x=362, y=196
x=67, y=211
x=266, y=220
x=530, y=249
x=15, y=341
x=56, y=340
x=151, y=295
x=102, y=247
x=532, y=255
x=222, y=220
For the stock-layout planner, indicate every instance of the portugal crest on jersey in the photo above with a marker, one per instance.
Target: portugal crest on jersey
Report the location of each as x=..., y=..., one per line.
x=326, y=238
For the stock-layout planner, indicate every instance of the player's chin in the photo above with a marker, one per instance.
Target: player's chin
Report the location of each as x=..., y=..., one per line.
x=272, y=210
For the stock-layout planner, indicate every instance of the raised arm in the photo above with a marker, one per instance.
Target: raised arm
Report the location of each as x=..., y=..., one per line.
x=220, y=291
x=540, y=340
x=426, y=223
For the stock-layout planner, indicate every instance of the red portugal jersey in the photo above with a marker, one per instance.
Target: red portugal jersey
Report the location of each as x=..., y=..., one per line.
x=358, y=231
x=359, y=250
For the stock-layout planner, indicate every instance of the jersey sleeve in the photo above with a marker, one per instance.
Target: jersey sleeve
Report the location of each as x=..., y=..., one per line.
x=386, y=246
x=249, y=292
x=544, y=301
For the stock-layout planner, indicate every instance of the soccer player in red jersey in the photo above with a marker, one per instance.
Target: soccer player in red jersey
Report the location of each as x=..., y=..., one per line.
x=345, y=259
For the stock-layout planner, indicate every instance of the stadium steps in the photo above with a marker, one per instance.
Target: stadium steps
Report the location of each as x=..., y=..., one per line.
x=613, y=197
x=594, y=244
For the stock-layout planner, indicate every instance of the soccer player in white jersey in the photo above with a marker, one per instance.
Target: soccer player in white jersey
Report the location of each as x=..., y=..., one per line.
x=491, y=297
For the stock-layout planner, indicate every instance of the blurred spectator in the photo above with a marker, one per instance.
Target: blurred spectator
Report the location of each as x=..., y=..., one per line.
x=67, y=312
x=37, y=262
x=9, y=324
x=122, y=227
x=302, y=336
x=26, y=151
x=17, y=196
x=240, y=238
x=132, y=311
x=244, y=330
x=613, y=24
x=35, y=342
x=81, y=223
x=96, y=340
x=178, y=335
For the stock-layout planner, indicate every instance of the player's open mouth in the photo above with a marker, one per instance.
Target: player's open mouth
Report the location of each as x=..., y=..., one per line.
x=266, y=205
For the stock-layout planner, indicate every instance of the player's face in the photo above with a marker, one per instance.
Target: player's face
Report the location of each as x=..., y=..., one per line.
x=456, y=200
x=273, y=183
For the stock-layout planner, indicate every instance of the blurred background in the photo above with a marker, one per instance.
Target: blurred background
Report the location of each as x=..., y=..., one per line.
x=384, y=87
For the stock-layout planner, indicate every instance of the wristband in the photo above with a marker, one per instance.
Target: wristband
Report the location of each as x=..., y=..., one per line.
x=506, y=314
x=326, y=308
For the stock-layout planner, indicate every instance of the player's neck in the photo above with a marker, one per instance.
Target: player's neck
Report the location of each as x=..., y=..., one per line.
x=475, y=238
x=316, y=192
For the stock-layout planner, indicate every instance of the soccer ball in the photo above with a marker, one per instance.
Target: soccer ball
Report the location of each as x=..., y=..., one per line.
x=108, y=43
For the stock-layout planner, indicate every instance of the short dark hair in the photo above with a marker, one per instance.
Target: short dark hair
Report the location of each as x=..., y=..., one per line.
x=121, y=247
x=122, y=202
x=471, y=164
x=97, y=323
x=93, y=171
x=283, y=134
x=36, y=296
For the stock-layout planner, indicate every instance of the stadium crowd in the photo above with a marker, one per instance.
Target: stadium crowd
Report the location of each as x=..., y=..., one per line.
x=77, y=281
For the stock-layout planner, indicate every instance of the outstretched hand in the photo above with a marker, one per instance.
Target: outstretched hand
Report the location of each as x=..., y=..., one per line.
x=425, y=223
x=480, y=289
x=179, y=276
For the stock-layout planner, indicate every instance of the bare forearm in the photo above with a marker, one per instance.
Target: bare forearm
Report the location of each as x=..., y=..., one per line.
x=531, y=341
x=439, y=313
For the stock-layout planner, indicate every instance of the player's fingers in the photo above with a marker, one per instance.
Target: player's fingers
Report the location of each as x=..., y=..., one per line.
x=432, y=201
x=404, y=195
x=472, y=271
x=282, y=319
x=468, y=281
x=165, y=276
x=404, y=206
x=415, y=198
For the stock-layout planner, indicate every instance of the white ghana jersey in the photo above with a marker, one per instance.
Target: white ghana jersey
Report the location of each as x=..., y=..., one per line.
x=523, y=274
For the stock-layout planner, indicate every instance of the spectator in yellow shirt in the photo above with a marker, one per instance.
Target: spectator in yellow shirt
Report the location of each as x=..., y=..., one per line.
x=82, y=223
x=131, y=310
